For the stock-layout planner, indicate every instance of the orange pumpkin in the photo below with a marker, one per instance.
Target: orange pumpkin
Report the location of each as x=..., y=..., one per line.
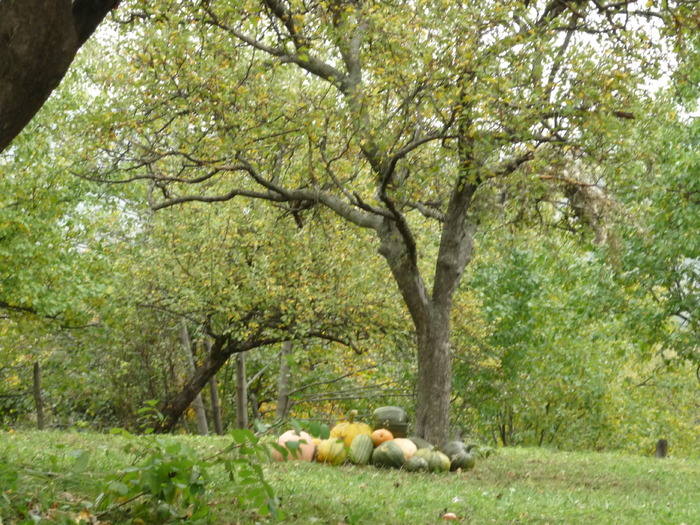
x=305, y=451
x=381, y=435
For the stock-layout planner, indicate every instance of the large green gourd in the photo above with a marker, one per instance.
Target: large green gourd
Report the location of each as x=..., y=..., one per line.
x=437, y=461
x=416, y=464
x=394, y=419
x=388, y=455
x=459, y=454
x=361, y=449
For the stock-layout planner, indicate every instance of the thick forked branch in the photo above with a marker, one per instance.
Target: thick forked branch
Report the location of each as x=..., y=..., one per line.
x=221, y=350
x=456, y=242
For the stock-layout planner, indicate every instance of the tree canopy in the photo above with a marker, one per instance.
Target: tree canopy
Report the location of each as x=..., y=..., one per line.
x=396, y=116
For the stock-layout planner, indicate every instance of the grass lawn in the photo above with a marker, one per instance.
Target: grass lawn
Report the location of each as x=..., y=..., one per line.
x=45, y=471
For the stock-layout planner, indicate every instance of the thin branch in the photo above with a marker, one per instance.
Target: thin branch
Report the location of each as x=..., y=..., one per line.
x=414, y=144
x=302, y=58
x=258, y=374
x=23, y=309
x=512, y=165
x=333, y=339
x=572, y=182
x=252, y=42
x=335, y=380
x=549, y=87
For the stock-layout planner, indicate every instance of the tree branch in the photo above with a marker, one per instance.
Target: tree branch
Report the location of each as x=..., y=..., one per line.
x=215, y=198
x=38, y=42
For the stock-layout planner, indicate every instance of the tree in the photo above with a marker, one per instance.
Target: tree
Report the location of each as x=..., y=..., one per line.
x=39, y=40
x=51, y=284
x=409, y=119
x=557, y=329
x=660, y=258
x=246, y=279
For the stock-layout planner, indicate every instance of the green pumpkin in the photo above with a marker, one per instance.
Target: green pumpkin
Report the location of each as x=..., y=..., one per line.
x=462, y=460
x=394, y=419
x=420, y=442
x=469, y=461
x=388, y=455
x=416, y=464
x=361, y=449
x=459, y=454
x=437, y=461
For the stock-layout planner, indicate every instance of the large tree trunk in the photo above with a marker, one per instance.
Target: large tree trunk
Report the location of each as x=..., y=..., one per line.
x=434, y=381
x=200, y=413
x=430, y=312
x=284, y=381
x=38, y=42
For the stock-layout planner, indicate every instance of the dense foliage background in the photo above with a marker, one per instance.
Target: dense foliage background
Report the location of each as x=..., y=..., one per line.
x=576, y=324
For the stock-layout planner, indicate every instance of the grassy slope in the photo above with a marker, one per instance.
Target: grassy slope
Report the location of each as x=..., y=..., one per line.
x=515, y=486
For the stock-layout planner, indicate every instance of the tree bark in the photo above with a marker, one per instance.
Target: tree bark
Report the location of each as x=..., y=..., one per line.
x=174, y=408
x=241, y=393
x=215, y=406
x=434, y=381
x=38, y=401
x=222, y=348
x=38, y=42
x=284, y=382
x=198, y=403
x=214, y=396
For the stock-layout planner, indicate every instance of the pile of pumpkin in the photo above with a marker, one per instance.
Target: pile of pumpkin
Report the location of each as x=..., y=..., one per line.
x=384, y=444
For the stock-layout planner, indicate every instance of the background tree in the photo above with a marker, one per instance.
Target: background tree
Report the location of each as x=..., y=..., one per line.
x=53, y=278
x=246, y=280
x=660, y=262
x=399, y=118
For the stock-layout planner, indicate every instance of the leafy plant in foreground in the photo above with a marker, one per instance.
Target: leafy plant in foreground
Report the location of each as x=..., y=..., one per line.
x=169, y=481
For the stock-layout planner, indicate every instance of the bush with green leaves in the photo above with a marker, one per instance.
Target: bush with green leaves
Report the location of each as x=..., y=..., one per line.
x=169, y=480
